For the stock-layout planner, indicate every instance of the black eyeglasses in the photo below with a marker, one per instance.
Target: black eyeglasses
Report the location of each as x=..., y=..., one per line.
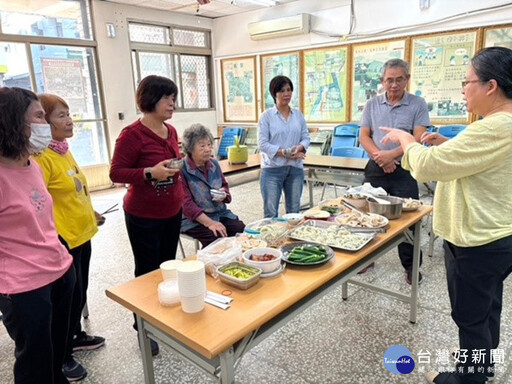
x=466, y=82
x=397, y=81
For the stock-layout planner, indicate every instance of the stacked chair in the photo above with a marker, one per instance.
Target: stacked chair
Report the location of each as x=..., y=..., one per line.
x=228, y=139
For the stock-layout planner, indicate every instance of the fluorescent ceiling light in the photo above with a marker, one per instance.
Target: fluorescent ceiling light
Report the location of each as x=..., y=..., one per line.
x=267, y=3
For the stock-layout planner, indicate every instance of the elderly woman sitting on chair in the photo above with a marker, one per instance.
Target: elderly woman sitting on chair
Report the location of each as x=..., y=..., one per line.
x=205, y=215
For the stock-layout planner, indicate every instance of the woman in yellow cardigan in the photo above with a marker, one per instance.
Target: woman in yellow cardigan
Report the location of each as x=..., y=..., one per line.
x=75, y=220
x=473, y=211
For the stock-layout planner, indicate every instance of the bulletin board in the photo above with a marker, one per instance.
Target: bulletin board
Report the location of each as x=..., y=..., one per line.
x=438, y=66
x=239, y=89
x=325, y=84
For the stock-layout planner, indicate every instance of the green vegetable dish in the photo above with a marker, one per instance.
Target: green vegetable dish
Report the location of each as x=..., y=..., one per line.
x=239, y=272
x=303, y=253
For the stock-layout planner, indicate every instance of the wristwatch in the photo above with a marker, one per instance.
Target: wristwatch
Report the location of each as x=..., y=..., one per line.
x=148, y=174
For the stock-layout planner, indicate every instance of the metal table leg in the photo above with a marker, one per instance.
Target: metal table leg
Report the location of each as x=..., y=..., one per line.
x=145, y=350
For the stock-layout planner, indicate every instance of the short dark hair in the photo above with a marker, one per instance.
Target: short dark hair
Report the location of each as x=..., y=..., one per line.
x=192, y=135
x=14, y=103
x=277, y=83
x=151, y=89
x=395, y=63
x=495, y=63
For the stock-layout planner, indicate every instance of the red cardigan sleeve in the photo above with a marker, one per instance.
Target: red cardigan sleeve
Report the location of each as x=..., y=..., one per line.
x=122, y=169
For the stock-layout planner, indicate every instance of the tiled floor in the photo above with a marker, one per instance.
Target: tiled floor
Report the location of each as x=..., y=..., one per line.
x=333, y=341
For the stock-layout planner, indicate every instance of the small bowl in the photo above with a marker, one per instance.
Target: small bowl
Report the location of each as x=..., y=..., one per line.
x=265, y=266
x=293, y=218
x=391, y=211
x=217, y=195
x=225, y=277
x=175, y=164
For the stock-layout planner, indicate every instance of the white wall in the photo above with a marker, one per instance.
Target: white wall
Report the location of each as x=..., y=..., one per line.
x=116, y=66
x=231, y=39
x=374, y=20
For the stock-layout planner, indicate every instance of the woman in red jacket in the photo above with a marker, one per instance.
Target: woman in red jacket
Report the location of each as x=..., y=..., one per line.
x=154, y=199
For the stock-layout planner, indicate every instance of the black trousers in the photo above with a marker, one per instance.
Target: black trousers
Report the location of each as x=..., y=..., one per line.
x=81, y=261
x=153, y=241
x=475, y=278
x=205, y=236
x=38, y=322
x=400, y=183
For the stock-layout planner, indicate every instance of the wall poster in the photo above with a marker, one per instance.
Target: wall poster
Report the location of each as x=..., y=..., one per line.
x=368, y=60
x=286, y=64
x=239, y=89
x=498, y=37
x=325, y=85
x=438, y=66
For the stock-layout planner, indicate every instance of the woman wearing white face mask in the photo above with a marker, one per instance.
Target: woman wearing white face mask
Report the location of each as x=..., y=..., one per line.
x=40, y=137
x=37, y=276
x=74, y=218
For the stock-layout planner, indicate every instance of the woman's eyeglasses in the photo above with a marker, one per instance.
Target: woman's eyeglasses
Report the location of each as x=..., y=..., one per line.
x=466, y=82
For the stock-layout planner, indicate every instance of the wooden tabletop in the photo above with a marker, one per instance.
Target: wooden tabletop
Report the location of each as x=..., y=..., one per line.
x=335, y=162
x=252, y=163
x=214, y=330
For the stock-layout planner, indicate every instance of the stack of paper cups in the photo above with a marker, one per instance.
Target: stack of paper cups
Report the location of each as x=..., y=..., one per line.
x=192, y=285
x=168, y=269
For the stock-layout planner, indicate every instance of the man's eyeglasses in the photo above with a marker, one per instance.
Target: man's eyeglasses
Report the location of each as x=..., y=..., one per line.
x=397, y=81
x=466, y=82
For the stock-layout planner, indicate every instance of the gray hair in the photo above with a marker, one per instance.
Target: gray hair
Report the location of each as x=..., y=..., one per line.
x=394, y=63
x=192, y=135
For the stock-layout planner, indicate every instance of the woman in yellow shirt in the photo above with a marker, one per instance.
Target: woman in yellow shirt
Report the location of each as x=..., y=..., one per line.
x=75, y=220
x=473, y=210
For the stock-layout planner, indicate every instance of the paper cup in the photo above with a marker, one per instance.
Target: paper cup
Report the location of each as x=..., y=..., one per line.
x=192, y=304
x=168, y=269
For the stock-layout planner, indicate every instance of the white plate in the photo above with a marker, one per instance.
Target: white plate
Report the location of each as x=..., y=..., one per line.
x=274, y=273
x=316, y=214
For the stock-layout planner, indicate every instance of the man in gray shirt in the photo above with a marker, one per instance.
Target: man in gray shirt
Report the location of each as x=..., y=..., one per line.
x=395, y=108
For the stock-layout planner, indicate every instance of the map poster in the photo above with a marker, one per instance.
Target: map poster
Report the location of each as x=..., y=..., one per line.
x=239, y=89
x=325, y=85
x=438, y=66
x=368, y=60
x=286, y=64
x=498, y=37
x=64, y=77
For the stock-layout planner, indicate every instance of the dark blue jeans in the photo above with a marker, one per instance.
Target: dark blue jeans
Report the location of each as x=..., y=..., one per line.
x=400, y=183
x=38, y=322
x=475, y=278
x=274, y=181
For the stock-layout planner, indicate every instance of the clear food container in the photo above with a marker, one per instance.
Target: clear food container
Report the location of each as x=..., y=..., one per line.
x=241, y=282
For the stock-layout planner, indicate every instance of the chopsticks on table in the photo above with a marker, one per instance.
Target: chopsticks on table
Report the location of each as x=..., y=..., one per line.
x=218, y=300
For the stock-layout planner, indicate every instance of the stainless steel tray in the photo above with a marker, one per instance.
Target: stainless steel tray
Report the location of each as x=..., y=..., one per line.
x=332, y=235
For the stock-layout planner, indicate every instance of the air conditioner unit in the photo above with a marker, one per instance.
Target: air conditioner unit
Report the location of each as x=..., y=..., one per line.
x=284, y=26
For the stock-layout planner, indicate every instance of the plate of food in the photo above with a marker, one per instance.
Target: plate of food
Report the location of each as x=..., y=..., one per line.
x=409, y=205
x=332, y=235
x=306, y=253
x=316, y=213
x=360, y=220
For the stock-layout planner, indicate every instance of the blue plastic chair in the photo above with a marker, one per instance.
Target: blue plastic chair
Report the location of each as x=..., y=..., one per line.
x=345, y=135
x=227, y=140
x=356, y=152
x=451, y=131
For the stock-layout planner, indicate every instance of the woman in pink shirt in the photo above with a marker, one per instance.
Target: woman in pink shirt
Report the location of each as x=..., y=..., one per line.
x=36, y=272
